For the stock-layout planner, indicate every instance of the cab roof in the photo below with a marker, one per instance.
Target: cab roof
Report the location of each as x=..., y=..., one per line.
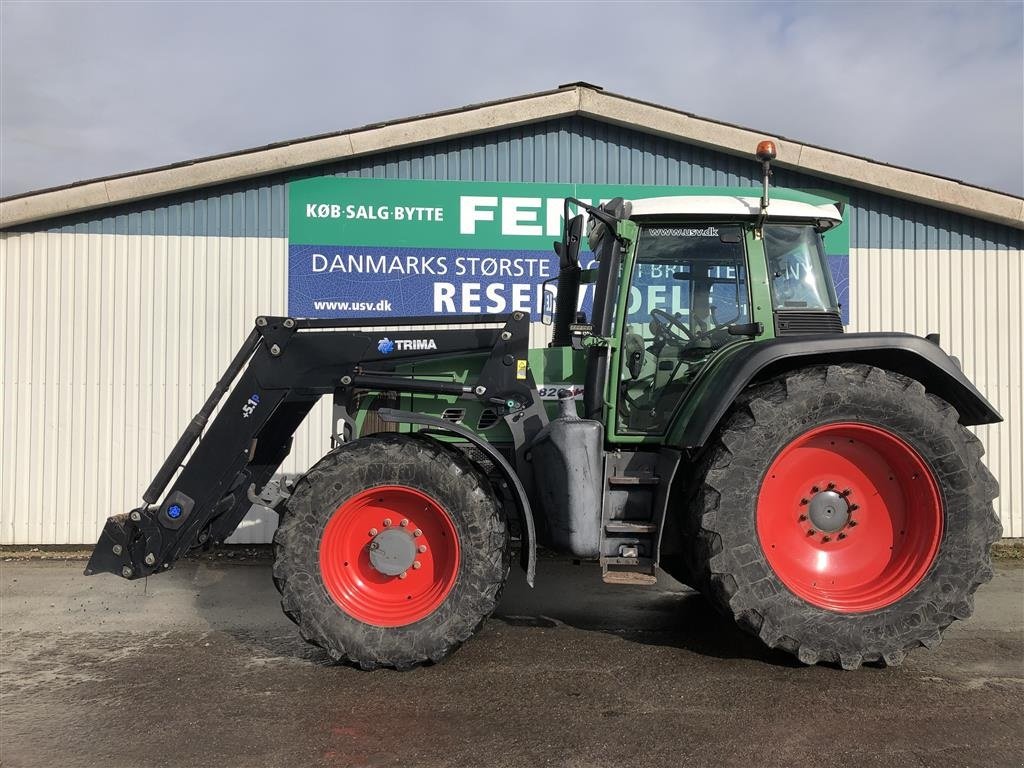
x=733, y=206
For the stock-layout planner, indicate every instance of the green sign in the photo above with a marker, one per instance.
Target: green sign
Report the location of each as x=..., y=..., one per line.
x=379, y=248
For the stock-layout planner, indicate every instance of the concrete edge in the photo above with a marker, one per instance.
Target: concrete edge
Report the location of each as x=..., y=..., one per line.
x=1005, y=549
x=82, y=552
x=858, y=172
x=1008, y=549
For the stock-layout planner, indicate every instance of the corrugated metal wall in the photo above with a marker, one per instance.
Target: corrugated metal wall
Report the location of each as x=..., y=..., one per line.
x=116, y=324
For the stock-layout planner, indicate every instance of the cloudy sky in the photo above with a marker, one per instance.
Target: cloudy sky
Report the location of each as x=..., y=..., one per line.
x=93, y=89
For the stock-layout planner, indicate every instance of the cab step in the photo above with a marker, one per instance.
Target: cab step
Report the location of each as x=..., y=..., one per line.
x=633, y=578
x=629, y=536
x=633, y=480
x=630, y=526
x=628, y=570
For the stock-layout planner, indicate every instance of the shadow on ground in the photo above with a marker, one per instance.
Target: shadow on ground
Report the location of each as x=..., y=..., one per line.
x=667, y=614
x=566, y=595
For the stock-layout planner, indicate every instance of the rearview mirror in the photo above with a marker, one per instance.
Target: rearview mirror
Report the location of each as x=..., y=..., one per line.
x=547, y=303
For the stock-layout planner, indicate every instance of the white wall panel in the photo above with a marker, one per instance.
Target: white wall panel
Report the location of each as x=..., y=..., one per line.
x=111, y=342
x=972, y=299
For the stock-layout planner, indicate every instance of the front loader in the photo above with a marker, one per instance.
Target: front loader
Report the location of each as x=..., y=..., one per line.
x=708, y=416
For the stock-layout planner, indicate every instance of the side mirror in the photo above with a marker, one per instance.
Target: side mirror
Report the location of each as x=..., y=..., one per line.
x=548, y=293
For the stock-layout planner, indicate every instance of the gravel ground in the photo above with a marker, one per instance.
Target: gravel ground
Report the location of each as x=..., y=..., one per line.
x=199, y=667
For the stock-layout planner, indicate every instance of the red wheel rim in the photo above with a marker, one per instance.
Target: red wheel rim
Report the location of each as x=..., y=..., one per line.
x=849, y=517
x=350, y=575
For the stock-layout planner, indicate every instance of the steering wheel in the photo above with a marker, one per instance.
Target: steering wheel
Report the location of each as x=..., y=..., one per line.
x=665, y=326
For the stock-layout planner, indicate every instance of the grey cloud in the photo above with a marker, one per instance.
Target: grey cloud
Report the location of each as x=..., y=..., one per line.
x=90, y=90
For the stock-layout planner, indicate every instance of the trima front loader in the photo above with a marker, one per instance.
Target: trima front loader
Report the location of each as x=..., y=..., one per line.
x=819, y=487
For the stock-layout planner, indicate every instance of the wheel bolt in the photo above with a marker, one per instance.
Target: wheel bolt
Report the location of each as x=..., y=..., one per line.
x=374, y=545
x=404, y=523
x=826, y=538
x=387, y=522
x=373, y=531
x=417, y=565
x=417, y=532
x=830, y=487
x=842, y=536
x=854, y=507
x=403, y=574
x=804, y=502
x=846, y=492
x=802, y=518
x=811, y=532
x=852, y=523
x=815, y=489
x=421, y=548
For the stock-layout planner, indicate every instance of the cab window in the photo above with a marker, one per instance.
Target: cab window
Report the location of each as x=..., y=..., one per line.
x=796, y=263
x=689, y=284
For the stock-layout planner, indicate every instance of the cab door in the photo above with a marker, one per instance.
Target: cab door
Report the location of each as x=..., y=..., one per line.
x=688, y=284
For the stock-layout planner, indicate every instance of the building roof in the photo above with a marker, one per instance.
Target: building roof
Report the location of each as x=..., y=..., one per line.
x=568, y=100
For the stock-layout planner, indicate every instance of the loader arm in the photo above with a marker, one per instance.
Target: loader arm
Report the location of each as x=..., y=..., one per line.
x=280, y=372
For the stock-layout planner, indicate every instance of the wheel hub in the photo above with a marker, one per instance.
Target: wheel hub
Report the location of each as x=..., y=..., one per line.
x=392, y=551
x=829, y=512
x=389, y=555
x=849, y=517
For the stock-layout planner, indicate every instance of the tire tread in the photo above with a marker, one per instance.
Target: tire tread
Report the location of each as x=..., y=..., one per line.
x=713, y=567
x=299, y=514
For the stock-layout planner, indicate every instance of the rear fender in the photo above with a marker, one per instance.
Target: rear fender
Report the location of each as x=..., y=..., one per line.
x=912, y=356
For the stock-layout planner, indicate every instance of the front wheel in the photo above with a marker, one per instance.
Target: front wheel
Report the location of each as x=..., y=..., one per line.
x=844, y=516
x=391, y=552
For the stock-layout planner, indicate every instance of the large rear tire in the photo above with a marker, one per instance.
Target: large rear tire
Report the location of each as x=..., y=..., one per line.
x=843, y=515
x=391, y=552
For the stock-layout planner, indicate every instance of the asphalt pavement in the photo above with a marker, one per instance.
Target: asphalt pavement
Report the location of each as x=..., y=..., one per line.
x=198, y=667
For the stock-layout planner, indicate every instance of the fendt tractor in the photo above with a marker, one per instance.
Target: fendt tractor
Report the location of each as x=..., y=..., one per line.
x=711, y=420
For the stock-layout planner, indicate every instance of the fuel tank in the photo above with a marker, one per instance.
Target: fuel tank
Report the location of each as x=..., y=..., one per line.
x=567, y=458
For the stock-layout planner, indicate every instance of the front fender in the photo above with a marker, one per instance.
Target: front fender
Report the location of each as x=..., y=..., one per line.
x=903, y=353
x=528, y=555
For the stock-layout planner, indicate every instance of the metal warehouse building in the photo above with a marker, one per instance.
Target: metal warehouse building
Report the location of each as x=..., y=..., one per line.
x=122, y=299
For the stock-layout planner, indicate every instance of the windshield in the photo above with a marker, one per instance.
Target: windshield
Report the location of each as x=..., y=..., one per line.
x=796, y=262
x=689, y=284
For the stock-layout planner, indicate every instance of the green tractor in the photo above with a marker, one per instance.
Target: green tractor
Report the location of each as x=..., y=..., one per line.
x=707, y=416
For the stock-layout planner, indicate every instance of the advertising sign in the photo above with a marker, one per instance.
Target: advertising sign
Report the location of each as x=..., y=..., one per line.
x=391, y=248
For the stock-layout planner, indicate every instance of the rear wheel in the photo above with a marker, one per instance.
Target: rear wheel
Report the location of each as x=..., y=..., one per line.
x=391, y=552
x=843, y=515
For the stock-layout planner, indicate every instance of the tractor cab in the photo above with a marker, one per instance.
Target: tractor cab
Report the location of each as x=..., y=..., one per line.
x=697, y=285
x=682, y=280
